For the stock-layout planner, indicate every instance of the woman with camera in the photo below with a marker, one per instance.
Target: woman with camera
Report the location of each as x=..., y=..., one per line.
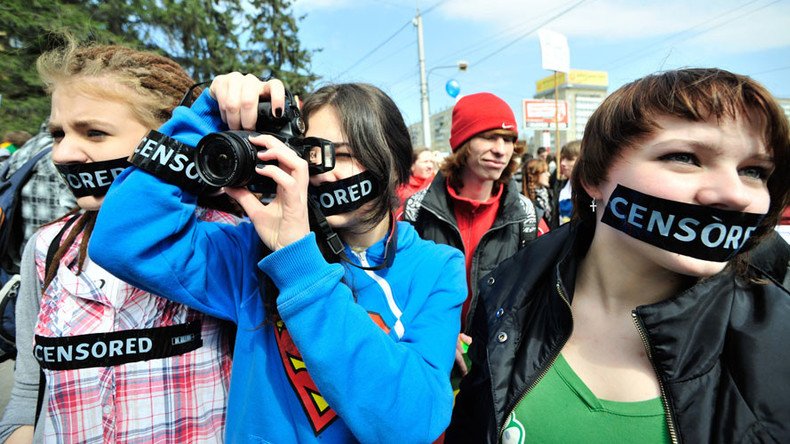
x=336, y=342
x=647, y=317
x=111, y=371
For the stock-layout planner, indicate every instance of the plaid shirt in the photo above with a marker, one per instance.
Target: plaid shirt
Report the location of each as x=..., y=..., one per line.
x=179, y=399
x=45, y=196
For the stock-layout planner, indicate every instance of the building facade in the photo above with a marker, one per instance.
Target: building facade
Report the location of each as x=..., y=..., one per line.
x=583, y=90
x=440, y=131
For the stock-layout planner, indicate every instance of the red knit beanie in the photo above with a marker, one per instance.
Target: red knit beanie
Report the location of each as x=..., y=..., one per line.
x=477, y=113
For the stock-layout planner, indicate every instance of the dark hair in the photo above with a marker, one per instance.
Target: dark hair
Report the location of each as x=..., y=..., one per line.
x=629, y=115
x=377, y=137
x=453, y=166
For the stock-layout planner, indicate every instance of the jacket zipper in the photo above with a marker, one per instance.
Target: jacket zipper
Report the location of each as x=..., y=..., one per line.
x=556, y=354
x=438, y=216
x=473, y=302
x=673, y=435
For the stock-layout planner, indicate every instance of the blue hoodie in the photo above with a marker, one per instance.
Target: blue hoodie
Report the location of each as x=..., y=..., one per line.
x=336, y=369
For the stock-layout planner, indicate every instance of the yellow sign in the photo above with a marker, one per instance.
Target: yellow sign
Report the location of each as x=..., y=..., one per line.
x=578, y=77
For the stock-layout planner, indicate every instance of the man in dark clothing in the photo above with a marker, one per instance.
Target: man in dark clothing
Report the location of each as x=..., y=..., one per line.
x=473, y=204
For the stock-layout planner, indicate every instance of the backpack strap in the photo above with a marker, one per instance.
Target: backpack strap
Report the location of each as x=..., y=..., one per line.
x=53, y=248
x=10, y=189
x=8, y=304
x=26, y=169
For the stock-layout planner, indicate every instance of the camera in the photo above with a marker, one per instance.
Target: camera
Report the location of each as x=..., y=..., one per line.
x=227, y=158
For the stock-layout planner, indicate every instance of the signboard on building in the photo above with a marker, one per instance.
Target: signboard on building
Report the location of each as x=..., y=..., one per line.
x=539, y=114
x=577, y=78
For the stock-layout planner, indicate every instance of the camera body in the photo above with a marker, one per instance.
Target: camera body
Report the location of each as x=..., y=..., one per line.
x=227, y=158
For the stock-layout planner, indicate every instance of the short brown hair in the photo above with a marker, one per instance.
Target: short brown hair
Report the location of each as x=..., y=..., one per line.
x=416, y=153
x=454, y=164
x=629, y=115
x=17, y=138
x=571, y=150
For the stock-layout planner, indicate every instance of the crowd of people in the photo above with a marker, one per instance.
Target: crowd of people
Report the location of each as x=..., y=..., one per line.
x=631, y=290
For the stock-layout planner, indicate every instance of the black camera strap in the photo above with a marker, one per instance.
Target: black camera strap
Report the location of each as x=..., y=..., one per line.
x=336, y=245
x=117, y=347
x=171, y=161
x=390, y=247
x=189, y=97
x=334, y=242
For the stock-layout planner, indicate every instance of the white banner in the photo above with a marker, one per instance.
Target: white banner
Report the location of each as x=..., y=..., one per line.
x=555, y=54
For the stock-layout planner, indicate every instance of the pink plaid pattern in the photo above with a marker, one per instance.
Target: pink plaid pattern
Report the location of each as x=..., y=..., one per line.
x=181, y=399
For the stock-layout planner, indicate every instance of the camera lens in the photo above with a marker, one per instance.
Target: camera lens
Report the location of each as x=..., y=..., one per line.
x=226, y=159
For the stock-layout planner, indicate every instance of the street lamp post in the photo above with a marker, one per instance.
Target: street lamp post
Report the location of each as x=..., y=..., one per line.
x=426, y=117
x=461, y=65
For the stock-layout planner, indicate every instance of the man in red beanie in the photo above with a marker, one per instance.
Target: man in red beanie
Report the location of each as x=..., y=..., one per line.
x=473, y=204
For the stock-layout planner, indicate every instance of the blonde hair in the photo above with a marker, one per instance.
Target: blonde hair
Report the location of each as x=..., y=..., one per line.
x=157, y=84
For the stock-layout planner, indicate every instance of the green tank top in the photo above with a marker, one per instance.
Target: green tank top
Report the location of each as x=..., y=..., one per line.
x=561, y=409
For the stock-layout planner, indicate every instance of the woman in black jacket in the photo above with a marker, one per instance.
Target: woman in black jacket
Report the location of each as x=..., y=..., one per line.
x=646, y=319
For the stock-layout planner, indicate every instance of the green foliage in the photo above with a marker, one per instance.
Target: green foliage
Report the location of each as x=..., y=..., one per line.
x=29, y=28
x=272, y=42
x=207, y=37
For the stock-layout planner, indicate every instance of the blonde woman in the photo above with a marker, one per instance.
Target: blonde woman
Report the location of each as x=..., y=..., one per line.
x=120, y=364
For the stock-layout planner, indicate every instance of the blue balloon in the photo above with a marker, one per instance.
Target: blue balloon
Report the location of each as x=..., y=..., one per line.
x=452, y=87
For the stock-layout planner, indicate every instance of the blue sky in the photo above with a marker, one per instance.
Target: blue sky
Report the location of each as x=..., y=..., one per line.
x=498, y=38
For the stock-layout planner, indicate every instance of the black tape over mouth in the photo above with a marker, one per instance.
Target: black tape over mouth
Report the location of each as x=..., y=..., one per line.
x=346, y=195
x=706, y=233
x=93, y=178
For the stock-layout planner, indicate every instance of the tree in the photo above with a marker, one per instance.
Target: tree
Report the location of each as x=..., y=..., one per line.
x=207, y=37
x=199, y=34
x=213, y=37
x=30, y=28
x=273, y=42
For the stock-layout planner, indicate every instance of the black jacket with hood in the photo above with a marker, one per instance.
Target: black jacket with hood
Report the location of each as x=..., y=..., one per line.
x=719, y=348
x=431, y=212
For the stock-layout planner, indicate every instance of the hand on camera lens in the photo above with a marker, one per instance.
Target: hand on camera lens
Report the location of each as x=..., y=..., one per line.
x=284, y=220
x=238, y=96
